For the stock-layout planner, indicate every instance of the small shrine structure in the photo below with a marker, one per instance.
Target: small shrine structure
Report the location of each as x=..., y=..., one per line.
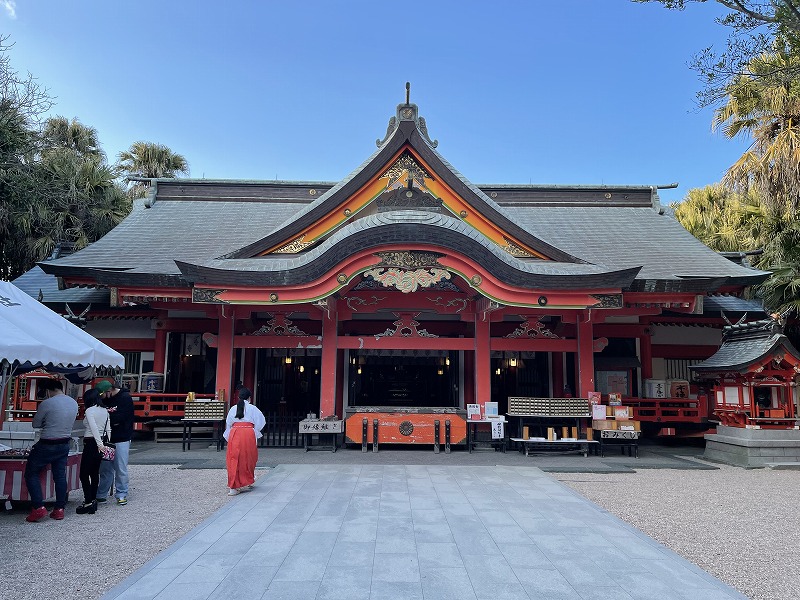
x=755, y=396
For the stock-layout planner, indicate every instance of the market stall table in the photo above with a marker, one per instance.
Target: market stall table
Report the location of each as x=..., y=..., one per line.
x=497, y=443
x=12, y=478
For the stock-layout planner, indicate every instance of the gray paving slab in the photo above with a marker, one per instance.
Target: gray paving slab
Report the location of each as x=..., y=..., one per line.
x=330, y=532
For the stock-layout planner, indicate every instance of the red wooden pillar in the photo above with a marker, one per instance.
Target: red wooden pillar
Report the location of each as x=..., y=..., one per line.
x=646, y=354
x=327, y=394
x=585, y=375
x=225, y=351
x=483, y=362
x=160, y=352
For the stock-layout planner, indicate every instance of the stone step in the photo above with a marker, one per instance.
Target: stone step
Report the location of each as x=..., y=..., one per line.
x=784, y=466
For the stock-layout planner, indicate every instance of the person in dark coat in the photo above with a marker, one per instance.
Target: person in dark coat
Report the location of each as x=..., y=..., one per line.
x=120, y=410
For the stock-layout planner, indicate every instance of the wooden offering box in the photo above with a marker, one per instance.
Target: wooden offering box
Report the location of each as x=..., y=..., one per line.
x=405, y=425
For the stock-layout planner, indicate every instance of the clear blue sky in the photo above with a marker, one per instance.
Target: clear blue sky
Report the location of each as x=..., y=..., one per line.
x=556, y=91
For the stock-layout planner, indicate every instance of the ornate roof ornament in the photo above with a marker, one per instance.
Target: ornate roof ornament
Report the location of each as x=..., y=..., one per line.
x=409, y=259
x=407, y=281
x=532, y=327
x=407, y=112
x=406, y=326
x=406, y=165
x=280, y=324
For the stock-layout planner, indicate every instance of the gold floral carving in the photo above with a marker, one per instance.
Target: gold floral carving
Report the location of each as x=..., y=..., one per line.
x=294, y=247
x=406, y=164
x=515, y=250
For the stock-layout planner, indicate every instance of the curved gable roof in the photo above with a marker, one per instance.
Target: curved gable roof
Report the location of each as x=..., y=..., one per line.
x=404, y=227
x=406, y=135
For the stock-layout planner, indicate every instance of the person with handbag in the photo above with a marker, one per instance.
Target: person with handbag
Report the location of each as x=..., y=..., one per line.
x=242, y=427
x=119, y=404
x=95, y=421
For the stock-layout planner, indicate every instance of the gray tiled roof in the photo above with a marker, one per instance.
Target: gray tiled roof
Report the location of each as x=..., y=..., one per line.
x=150, y=240
x=214, y=227
x=745, y=345
x=35, y=281
x=198, y=231
x=630, y=236
x=732, y=304
x=404, y=226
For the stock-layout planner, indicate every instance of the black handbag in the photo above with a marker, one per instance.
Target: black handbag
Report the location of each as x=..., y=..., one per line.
x=110, y=451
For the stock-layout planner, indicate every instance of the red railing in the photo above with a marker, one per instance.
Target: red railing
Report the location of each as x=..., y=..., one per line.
x=148, y=406
x=766, y=419
x=669, y=410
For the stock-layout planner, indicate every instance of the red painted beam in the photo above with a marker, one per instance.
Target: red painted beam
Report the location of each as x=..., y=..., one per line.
x=534, y=345
x=405, y=343
x=130, y=344
x=680, y=351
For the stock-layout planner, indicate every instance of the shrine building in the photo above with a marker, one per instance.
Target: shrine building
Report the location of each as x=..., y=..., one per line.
x=406, y=286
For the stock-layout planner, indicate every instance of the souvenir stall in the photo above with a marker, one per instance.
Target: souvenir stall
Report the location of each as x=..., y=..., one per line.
x=34, y=337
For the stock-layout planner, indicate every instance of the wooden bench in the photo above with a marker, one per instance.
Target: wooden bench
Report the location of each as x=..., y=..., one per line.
x=175, y=434
x=541, y=443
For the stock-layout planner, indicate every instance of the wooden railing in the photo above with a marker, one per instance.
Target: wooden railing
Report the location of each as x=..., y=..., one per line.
x=148, y=406
x=669, y=410
x=282, y=430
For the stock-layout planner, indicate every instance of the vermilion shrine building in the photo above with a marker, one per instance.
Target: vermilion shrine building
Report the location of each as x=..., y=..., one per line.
x=406, y=285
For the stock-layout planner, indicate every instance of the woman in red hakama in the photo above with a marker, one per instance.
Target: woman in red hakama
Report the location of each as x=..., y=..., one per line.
x=243, y=427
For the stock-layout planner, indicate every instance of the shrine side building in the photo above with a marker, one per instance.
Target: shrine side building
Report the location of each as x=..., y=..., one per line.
x=405, y=286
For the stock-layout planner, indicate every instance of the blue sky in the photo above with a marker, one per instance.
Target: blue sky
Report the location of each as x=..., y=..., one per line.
x=550, y=92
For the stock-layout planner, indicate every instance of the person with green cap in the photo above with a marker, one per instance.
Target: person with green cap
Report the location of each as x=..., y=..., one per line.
x=120, y=412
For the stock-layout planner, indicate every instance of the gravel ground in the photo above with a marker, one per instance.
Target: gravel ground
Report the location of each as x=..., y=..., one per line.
x=51, y=559
x=740, y=525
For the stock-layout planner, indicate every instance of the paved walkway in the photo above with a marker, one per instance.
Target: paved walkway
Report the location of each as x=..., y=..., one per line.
x=311, y=531
x=651, y=456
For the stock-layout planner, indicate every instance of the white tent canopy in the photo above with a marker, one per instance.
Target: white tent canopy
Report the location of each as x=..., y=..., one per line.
x=31, y=333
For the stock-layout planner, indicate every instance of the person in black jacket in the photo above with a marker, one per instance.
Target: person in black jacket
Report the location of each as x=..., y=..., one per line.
x=120, y=411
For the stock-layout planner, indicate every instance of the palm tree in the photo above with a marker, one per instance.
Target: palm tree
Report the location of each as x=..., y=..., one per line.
x=723, y=220
x=152, y=161
x=60, y=132
x=76, y=199
x=765, y=104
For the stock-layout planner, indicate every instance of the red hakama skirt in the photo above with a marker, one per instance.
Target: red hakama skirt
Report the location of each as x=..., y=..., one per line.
x=242, y=455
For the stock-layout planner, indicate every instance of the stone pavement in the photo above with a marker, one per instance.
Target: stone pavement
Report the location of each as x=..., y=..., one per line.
x=652, y=455
x=426, y=531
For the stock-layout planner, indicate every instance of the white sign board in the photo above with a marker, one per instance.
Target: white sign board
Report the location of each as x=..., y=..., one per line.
x=498, y=430
x=616, y=434
x=319, y=426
